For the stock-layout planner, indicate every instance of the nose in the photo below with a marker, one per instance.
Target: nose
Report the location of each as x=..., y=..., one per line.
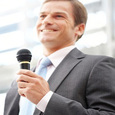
x=47, y=20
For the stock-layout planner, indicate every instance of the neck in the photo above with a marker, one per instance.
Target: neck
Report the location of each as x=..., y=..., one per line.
x=49, y=51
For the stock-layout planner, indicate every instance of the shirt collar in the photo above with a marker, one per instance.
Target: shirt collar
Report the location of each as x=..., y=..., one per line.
x=59, y=55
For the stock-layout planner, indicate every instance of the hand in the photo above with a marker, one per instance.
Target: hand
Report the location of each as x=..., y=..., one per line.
x=32, y=86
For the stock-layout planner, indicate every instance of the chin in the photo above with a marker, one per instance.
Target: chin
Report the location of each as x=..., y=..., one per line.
x=46, y=39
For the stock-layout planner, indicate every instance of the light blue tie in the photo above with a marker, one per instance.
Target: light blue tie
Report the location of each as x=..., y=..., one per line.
x=27, y=108
x=42, y=69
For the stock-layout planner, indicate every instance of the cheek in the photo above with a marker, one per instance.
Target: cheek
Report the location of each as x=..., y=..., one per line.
x=66, y=25
x=38, y=24
x=63, y=27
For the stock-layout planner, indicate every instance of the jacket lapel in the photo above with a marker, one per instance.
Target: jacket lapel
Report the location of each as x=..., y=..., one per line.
x=61, y=72
x=37, y=112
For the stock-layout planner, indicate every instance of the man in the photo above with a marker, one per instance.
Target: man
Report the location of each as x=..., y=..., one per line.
x=78, y=84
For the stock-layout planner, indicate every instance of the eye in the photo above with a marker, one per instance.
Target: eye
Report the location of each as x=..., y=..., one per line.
x=58, y=16
x=42, y=16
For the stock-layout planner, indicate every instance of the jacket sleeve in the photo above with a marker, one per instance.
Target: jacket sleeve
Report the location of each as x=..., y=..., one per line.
x=100, y=93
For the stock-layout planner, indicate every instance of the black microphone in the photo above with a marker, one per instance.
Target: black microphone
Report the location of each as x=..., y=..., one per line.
x=24, y=58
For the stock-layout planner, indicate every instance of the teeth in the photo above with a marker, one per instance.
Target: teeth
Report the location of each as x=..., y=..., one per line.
x=48, y=30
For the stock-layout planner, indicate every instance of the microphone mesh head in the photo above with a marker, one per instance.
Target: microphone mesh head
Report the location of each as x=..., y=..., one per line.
x=24, y=55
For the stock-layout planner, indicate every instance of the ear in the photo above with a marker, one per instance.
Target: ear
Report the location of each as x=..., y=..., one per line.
x=79, y=30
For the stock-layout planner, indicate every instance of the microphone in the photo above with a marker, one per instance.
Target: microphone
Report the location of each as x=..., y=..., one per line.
x=24, y=58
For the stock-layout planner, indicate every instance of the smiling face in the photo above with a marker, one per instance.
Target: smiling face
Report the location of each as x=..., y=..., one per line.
x=55, y=26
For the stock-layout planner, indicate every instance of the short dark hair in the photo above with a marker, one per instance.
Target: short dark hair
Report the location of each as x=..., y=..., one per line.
x=79, y=11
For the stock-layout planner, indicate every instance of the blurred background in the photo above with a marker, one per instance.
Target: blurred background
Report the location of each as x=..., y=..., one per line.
x=17, y=30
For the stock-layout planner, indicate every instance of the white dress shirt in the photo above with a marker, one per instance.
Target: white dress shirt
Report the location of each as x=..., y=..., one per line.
x=56, y=59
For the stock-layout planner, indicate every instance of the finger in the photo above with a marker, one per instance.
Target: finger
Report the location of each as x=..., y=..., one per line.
x=22, y=84
x=21, y=92
x=28, y=73
x=25, y=78
x=26, y=92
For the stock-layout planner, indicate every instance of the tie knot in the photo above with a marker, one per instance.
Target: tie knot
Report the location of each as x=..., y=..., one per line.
x=45, y=62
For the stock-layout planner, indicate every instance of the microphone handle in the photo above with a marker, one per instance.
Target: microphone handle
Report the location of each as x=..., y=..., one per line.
x=25, y=65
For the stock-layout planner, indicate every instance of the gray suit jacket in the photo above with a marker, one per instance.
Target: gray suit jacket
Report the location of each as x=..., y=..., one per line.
x=82, y=85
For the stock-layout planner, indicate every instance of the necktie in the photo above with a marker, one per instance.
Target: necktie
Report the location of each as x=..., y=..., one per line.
x=27, y=107
x=42, y=69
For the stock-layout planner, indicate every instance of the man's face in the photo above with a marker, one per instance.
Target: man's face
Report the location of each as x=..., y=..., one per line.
x=55, y=26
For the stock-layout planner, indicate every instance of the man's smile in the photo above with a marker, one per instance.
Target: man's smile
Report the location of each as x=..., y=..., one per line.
x=47, y=30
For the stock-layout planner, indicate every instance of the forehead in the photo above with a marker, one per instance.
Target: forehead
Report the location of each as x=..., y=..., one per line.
x=57, y=6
